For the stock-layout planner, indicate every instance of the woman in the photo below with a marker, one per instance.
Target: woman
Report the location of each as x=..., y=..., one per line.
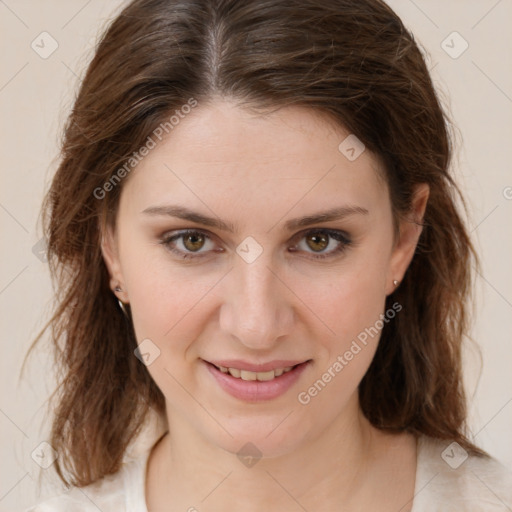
x=263, y=273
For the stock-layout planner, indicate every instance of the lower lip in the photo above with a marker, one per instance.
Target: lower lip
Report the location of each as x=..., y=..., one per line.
x=254, y=390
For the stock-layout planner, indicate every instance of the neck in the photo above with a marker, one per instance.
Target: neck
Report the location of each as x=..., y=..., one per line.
x=335, y=465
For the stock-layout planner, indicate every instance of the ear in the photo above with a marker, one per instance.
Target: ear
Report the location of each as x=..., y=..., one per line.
x=410, y=229
x=110, y=252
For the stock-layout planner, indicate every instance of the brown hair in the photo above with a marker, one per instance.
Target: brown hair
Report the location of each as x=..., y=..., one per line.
x=350, y=59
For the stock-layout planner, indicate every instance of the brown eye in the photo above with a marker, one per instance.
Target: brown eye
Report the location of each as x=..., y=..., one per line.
x=317, y=241
x=323, y=243
x=193, y=241
x=189, y=244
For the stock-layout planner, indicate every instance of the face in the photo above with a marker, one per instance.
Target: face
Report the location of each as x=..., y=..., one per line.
x=252, y=242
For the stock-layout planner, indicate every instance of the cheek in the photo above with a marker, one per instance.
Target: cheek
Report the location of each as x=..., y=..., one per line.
x=170, y=311
x=168, y=307
x=349, y=302
x=352, y=310
x=346, y=300
x=163, y=296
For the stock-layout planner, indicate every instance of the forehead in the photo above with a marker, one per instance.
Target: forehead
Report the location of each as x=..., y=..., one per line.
x=220, y=151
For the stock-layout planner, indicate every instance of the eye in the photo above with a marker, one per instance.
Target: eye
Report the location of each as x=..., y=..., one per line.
x=318, y=243
x=188, y=244
x=324, y=243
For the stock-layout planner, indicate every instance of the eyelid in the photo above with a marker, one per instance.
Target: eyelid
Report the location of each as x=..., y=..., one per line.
x=176, y=234
x=330, y=231
x=340, y=236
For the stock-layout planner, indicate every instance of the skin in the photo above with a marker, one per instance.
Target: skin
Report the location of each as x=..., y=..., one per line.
x=257, y=172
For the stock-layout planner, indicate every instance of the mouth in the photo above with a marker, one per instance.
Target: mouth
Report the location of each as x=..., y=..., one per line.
x=255, y=384
x=249, y=375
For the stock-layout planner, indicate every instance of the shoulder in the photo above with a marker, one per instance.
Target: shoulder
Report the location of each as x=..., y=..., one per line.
x=449, y=479
x=120, y=492
x=109, y=494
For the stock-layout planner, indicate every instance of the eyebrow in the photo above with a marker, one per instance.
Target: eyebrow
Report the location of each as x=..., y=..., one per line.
x=181, y=212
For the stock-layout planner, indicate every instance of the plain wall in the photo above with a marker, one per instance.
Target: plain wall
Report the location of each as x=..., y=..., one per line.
x=35, y=97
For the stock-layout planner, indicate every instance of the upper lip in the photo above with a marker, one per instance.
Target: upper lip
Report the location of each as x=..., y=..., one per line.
x=256, y=367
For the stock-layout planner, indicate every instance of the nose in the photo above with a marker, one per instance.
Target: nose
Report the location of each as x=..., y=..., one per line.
x=258, y=307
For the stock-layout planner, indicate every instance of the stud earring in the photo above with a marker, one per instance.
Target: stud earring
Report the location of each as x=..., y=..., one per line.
x=396, y=283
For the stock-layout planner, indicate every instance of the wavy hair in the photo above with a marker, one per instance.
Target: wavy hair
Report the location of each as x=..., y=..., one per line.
x=352, y=60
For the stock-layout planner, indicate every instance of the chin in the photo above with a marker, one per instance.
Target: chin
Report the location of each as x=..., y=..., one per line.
x=259, y=437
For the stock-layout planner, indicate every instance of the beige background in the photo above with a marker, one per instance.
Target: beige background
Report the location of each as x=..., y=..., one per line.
x=36, y=94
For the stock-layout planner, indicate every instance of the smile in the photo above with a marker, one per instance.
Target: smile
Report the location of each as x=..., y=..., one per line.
x=260, y=376
x=256, y=386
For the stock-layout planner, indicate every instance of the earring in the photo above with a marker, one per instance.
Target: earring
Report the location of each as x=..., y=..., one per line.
x=396, y=283
x=121, y=303
x=123, y=308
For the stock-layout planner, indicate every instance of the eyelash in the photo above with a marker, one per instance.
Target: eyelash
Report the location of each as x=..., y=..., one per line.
x=344, y=242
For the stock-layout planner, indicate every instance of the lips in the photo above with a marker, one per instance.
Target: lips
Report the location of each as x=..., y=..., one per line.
x=241, y=381
x=256, y=367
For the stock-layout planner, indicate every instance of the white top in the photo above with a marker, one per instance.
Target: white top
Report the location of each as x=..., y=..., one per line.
x=446, y=481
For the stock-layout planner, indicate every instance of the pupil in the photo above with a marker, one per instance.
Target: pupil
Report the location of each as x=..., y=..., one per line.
x=318, y=239
x=193, y=242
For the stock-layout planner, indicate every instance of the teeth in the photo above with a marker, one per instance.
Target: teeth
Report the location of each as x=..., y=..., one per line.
x=234, y=372
x=246, y=375
x=260, y=376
